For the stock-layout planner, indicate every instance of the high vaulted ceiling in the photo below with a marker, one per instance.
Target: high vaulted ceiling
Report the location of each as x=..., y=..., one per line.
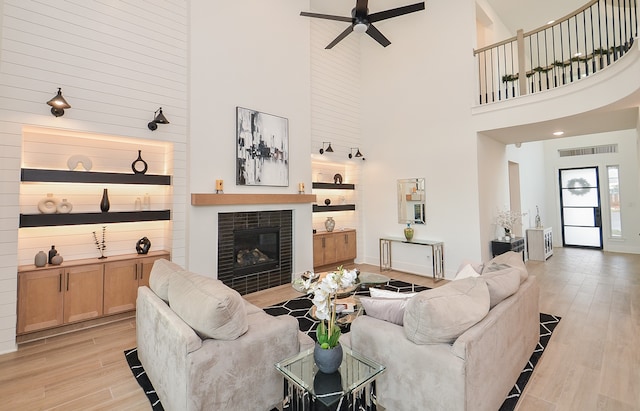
x=528, y=15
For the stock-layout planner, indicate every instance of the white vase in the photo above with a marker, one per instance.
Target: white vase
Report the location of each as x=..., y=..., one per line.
x=330, y=224
x=64, y=207
x=48, y=205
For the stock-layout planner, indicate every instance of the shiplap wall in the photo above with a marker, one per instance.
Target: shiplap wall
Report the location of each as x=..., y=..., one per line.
x=335, y=118
x=116, y=62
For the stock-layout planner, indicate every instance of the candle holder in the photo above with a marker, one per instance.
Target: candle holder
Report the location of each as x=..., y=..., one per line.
x=219, y=187
x=301, y=188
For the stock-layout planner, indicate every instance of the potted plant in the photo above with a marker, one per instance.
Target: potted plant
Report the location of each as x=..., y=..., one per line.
x=328, y=351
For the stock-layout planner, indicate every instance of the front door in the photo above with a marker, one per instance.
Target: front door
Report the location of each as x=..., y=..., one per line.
x=580, y=208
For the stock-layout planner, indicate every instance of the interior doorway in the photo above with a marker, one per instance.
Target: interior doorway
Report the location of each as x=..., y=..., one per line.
x=515, y=203
x=580, y=209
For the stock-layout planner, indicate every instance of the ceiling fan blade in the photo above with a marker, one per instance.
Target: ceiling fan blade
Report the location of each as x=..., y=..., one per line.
x=387, y=14
x=361, y=6
x=340, y=37
x=326, y=16
x=377, y=36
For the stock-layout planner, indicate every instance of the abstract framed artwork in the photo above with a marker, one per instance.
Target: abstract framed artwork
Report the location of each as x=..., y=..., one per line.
x=262, y=149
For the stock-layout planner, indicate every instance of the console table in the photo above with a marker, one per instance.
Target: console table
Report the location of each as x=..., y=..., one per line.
x=437, y=254
x=502, y=245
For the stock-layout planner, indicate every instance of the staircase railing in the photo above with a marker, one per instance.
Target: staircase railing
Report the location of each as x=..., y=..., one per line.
x=559, y=53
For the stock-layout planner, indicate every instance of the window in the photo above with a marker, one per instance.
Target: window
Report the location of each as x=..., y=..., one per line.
x=614, y=201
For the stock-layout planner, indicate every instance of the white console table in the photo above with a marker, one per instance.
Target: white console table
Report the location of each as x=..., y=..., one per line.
x=539, y=243
x=437, y=254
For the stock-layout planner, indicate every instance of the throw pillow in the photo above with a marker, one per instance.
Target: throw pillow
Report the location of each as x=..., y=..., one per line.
x=161, y=271
x=511, y=259
x=378, y=293
x=385, y=309
x=466, y=272
x=442, y=314
x=501, y=284
x=208, y=306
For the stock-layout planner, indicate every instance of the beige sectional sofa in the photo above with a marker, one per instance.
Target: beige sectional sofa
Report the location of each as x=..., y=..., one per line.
x=206, y=348
x=461, y=346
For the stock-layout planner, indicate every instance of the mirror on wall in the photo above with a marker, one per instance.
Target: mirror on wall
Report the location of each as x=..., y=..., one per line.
x=411, y=201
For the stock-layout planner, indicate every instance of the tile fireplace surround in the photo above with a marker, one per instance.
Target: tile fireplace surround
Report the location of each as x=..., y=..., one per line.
x=245, y=284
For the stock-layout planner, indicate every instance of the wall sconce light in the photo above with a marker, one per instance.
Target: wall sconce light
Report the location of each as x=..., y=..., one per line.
x=329, y=149
x=357, y=154
x=58, y=104
x=158, y=119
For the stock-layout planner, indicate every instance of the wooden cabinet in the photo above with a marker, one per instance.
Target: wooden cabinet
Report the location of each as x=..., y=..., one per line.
x=334, y=247
x=51, y=297
x=40, y=299
x=539, y=243
x=80, y=290
x=121, y=282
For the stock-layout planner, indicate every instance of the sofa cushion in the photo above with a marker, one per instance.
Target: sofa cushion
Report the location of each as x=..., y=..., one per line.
x=208, y=306
x=511, y=259
x=442, y=314
x=501, y=284
x=159, y=278
x=385, y=309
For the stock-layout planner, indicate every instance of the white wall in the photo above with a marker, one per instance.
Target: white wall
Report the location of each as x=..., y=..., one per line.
x=626, y=158
x=117, y=63
x=416, y=113
x=254, y=55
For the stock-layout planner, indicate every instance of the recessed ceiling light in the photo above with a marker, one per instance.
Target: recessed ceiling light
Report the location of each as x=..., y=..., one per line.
x=558, y=133
x=551, y=21
x=577, y=54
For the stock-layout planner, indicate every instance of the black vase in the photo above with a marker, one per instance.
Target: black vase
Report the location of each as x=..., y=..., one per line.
x=104, y=204
x=139, y=166
x=52, y=253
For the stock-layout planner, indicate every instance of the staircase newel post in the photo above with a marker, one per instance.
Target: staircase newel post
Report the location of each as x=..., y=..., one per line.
x=522, y=73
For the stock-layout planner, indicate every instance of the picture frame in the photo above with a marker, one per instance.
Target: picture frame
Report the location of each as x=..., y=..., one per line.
x=262, y=149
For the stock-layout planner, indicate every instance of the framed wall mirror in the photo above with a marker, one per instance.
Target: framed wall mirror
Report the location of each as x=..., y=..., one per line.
x=411, y=201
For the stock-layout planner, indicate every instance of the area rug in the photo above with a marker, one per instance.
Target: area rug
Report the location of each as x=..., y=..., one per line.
x=299, y=308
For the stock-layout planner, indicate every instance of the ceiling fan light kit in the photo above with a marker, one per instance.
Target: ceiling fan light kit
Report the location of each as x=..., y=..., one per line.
x=361, y=21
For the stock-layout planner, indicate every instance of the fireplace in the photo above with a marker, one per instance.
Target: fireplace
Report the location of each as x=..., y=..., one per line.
x=255, y=249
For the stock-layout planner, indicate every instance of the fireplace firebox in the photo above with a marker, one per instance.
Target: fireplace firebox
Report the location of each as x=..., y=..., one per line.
x=255, y=249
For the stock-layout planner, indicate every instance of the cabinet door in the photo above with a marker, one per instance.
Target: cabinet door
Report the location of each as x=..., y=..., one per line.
x=40, y=296
x=318, y=250
x=146, y=264
x=83, y=292
x=346, y=246
x=120, y=286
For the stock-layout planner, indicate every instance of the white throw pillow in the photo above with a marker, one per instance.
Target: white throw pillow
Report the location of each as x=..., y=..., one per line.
x=501, y=284
x=442, y=314
x=385, y=309
x=466, y=272
x=378, y=293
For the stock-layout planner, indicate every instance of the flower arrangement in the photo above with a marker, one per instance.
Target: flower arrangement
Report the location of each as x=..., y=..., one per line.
x=506, y=219
x=101, y=245
x=325, y=295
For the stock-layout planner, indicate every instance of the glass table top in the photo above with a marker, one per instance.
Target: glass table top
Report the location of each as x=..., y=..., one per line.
x=354, y=373
x=413, y=241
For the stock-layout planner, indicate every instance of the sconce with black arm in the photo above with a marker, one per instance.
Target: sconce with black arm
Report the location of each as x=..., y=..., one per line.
x=159, y=118
x=358, y=154
x=58, y=104
x=329, y=149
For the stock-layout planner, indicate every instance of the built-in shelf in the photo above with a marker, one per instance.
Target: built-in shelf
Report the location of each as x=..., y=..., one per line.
x=333, y=186
x=330, y=208
x=66, y=176
x=240, y=199
x=48, y=220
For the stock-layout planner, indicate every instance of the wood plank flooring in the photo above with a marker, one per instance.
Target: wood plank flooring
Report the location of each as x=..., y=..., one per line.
x=592, y=362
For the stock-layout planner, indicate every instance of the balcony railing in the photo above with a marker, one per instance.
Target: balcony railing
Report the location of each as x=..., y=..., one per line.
x=559, y=53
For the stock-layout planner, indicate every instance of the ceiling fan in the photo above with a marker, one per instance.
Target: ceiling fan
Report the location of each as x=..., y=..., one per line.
x=361, y=21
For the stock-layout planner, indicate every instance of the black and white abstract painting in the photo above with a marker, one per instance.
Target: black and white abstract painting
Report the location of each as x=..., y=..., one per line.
x=262, y=149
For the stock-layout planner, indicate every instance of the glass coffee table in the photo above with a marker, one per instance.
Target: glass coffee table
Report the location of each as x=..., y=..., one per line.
x=351, y=387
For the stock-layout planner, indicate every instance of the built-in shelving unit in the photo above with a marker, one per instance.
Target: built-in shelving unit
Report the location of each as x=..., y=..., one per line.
x=333, y=186
x=50, y=220
x=317, y=208
x=65, y=176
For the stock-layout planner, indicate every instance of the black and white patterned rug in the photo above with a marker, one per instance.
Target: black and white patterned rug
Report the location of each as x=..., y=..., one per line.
x=299, y=308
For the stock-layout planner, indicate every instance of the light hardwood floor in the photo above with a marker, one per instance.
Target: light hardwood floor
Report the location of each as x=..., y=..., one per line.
x=591, y=363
